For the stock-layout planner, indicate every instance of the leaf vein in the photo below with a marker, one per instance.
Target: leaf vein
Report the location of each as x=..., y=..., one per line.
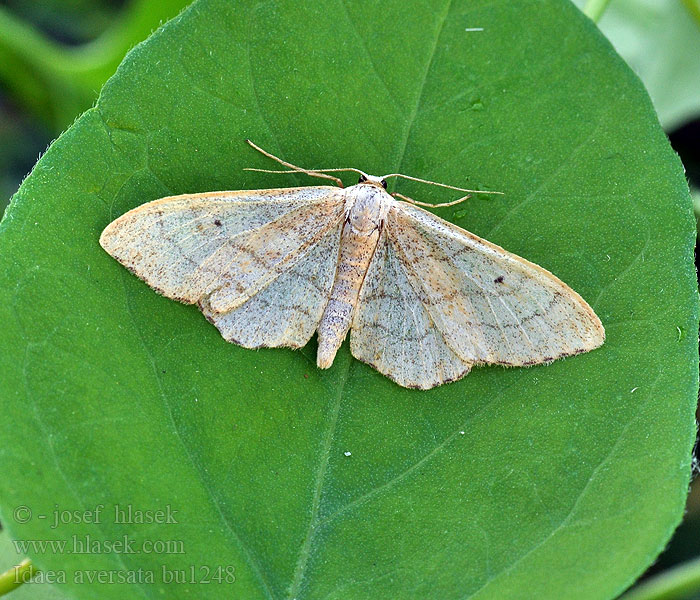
x=429, y=63
x=572, y=511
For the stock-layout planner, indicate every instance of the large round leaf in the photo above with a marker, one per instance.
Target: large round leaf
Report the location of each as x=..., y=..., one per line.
x=559, y=481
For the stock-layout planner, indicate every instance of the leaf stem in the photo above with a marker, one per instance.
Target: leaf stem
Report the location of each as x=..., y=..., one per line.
x=678, y=583
x=693, y=7
x=16, y=576
x=594, y=9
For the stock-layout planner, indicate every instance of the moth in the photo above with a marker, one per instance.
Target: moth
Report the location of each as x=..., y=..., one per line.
x=423, y=299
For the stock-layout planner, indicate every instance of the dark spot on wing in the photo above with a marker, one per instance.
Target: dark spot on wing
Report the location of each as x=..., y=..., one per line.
x=498, y=279
x=217, y=222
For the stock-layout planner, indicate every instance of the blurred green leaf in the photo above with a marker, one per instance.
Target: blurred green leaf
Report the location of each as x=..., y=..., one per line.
x=594, y=9
x=68, y=21
x=532, y=479
x=660, y=40
x=55, y=82
x=19, y=148
x=680, y=583
x=695, y=195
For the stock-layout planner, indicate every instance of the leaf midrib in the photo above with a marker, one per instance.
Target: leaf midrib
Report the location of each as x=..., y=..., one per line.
x=419, y=98
x=307, y=547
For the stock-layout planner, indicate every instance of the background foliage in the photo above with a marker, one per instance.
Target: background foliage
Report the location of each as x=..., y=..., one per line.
x=660, y=40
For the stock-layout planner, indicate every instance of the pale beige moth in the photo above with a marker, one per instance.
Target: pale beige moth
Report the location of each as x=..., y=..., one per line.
x=423, y=299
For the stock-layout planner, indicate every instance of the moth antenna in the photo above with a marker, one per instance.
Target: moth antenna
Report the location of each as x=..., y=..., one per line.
x=412, y=201
x=305, y=171
x=296, y=169
x=444, y=185
x=273, y=157
x=300, y=170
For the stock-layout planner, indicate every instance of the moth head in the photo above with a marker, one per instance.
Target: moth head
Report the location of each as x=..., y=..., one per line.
x=371, y=179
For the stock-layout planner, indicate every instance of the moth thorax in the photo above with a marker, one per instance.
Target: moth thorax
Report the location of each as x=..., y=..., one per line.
x=367, y=209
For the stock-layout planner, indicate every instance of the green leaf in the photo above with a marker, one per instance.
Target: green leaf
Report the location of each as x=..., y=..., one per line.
x=560, y=481
x=660, y=39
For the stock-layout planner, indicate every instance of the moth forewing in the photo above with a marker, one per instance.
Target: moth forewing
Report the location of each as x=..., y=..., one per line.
x=222, y=249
